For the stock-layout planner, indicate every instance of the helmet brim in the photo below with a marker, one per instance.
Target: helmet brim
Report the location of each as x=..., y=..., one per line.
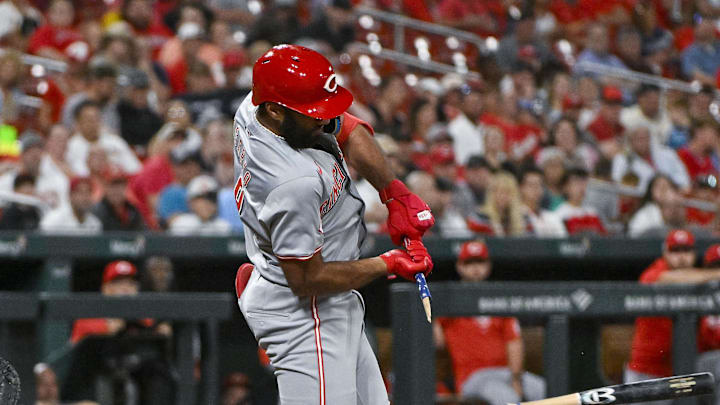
x=327, y=108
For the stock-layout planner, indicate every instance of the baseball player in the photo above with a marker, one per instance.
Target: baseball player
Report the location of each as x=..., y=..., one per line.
x=304, y=228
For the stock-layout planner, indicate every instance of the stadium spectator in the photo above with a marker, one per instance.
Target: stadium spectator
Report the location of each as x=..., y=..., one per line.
x=539, y=222
x=551, y=161
x=189, y=46
x=334, y=23
x=387, y=111
x=442, y=162
x=146, y=27
x=148, y=372
x=119, y=279
x=659, y=208
x=90, y=132
x=21, y=216
x=597, y=48
x=651, y=355
x=463, y=128
x=237, y=389
x=495, y=148
x=172, y=200
x=487, y=353
x=51, y=184
x=55, y=172
x=101, y=89
x=700, y=151
x=76, y=217
x=470, y=193
x=437, y=193
x=57, y=39
x=523, y=45
x=114, y=210
x=577, y=217
x=606, y=128
x=158, y=274
x=644, y=158
x=502, y=213
x=138, y=120
x=203, y=216
x=701, y=60
x=564, y=135
x=628, y=43
x=648, y=113
x=705, y=188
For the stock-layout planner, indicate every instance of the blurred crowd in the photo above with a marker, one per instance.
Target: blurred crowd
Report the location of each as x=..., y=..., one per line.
x=125, y=120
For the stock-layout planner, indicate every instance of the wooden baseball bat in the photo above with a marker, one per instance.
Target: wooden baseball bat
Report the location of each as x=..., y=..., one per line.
x=678, y=386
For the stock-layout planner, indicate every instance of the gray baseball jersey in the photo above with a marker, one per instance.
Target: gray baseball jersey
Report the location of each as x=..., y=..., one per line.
x=294, y=204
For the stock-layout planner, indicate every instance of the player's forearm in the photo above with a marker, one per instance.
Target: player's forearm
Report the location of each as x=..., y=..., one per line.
x=366, y=157
x=688, y=276
x=516, y=354
x=335, y=277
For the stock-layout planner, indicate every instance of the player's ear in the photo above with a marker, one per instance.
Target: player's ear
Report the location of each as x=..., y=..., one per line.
x=275, y=111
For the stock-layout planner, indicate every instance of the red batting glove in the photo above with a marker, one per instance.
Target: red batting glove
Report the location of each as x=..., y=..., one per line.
x=408, y=215
x=400, y=263
x=418, y=252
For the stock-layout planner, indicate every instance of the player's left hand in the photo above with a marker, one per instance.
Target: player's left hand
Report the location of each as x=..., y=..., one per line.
x=418, y=252
x=408, y=215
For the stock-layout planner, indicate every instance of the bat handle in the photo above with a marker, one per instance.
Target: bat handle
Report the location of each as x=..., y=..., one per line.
x=424, y=291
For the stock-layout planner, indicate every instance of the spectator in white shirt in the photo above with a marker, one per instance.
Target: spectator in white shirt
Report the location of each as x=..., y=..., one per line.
x=75, y=218
x=203, y=218
x=51, y=183
x=90, y=131
x=649, y=113
x=660, y=209
x=539, y=222
x=645, y=159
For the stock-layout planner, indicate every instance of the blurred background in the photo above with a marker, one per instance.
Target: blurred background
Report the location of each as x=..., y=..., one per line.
x=566, y=138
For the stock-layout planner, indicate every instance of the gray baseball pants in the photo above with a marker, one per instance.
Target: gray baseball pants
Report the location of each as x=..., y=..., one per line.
x=317, y=345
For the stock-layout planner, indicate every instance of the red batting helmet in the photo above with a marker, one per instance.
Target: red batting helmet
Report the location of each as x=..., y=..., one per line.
x=300, y=79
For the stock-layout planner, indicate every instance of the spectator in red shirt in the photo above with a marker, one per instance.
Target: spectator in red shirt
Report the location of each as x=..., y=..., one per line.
x=58, y=39
x=487, y=353
x=119, y=278
x=651, y=355
x=575, y=214
x=146, y=26
x=697, y=154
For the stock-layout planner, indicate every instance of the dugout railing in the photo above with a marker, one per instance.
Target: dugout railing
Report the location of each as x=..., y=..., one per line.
x=194, y=317
x=570, y=312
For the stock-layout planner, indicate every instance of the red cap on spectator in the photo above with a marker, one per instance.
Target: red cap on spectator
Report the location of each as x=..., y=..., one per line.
x=118, y=268
x=612, y=94
x=679, y=239
x=712, y=256
x=76, y=181
x=442, y=154
x=571, y=101
x=473, y=251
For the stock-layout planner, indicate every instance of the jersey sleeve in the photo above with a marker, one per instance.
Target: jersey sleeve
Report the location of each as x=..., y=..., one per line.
x=348, y=123
x=653, y=273
x=292, y=216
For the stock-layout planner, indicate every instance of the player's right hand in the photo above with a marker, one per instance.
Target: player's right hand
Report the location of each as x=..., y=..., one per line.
x=400, y=263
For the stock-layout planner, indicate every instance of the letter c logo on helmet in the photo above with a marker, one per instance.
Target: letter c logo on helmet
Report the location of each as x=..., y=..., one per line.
x=331, y=83
x=300, y=79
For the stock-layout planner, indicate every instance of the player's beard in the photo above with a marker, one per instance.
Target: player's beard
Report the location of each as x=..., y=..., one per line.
x=295, y=136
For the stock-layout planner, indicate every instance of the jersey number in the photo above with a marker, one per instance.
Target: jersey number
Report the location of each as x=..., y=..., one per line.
x=240, y=187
